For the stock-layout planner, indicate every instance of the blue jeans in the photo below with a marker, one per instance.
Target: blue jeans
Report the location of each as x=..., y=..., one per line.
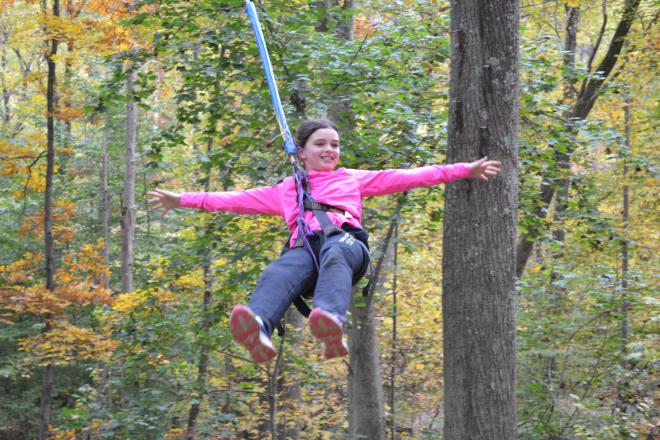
x=342, y=261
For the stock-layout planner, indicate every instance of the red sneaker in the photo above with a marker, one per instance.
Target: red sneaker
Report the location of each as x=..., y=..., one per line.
x=328, y=329
x=247, y=329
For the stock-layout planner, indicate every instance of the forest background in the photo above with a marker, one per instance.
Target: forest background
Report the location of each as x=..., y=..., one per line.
x=114, y=318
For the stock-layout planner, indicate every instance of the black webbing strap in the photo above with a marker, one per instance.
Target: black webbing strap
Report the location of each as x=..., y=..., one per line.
x=319, y=210
x=313, y=205
x=326, y=224
x=302, y=306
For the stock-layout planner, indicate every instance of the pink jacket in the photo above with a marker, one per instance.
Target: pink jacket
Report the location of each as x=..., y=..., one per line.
x=342, y=188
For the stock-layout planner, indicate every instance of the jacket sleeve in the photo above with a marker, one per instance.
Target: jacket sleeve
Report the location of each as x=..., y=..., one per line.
x=378, y=183
x=261, y=200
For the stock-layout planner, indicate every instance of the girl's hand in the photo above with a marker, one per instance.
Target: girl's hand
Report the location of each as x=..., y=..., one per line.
x=484, y=168
x=164, y=200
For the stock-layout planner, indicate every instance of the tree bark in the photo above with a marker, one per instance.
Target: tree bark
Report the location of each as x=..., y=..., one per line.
x=203, y=363
x=340, y=109
x=366, y=409
x=589, y=91
x=128, y=208
x=561, y=196
x=49, y=254
x=562, y=157
x=395, y=252
x=625, y=304
x=105, y=195
x=366, y=405
x=6, y=93
x=480, y=224
x=291, y=392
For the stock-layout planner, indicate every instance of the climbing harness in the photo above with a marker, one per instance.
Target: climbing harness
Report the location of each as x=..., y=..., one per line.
x=304, y=197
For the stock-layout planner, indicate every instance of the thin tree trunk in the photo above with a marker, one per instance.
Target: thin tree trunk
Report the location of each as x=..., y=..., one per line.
x=345, y=27
x=202, y=366
x=393, y=368
x=105, y=195
x=291, y=392
x=67, y=72
x=6, y=94
x=366, y=407
x=128, y=208
x=478, y=299
x=569, y=80
x=340, y=108
x=365, y=391
x=49, y=254
x=562, y=155
x=625, y=304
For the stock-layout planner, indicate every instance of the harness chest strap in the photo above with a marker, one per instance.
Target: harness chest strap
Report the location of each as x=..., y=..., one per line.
x=319, y=210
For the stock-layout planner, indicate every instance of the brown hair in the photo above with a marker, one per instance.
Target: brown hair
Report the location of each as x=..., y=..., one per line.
x=307, y=128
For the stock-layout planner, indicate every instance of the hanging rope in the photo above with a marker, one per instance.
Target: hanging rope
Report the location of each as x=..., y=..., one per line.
x=289, y=145
x=299, y=175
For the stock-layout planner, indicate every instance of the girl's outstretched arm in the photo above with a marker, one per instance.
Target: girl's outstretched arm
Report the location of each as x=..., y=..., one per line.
x=378, y=183
x=261, y=200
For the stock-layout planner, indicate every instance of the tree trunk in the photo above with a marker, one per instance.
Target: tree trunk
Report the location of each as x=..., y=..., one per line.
x=128, y=208
x=202, y=365
x=291, y=392
x=68, y=72
x=366, y=406
x=562, y=155
x=480, y=224
x=561, y=196
x=395, y=252
x=6, y=93
x=625, y=304
x=584, y=102
x=105, y=195
x=49, y=254
x=366, y=409
x=340, y=109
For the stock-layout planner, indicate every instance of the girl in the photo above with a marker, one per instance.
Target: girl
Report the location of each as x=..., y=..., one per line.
x=342, y=254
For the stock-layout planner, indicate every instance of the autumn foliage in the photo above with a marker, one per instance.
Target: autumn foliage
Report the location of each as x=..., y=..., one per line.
x=143, y=364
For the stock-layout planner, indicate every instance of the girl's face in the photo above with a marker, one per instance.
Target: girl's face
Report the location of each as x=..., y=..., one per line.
x=321, y=151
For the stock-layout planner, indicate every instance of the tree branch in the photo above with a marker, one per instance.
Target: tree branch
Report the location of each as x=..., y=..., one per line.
x=584, y=103
x=598, y=40
x=588, y=93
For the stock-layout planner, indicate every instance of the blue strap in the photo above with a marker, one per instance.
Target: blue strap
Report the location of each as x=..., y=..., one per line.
x=289, y=145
